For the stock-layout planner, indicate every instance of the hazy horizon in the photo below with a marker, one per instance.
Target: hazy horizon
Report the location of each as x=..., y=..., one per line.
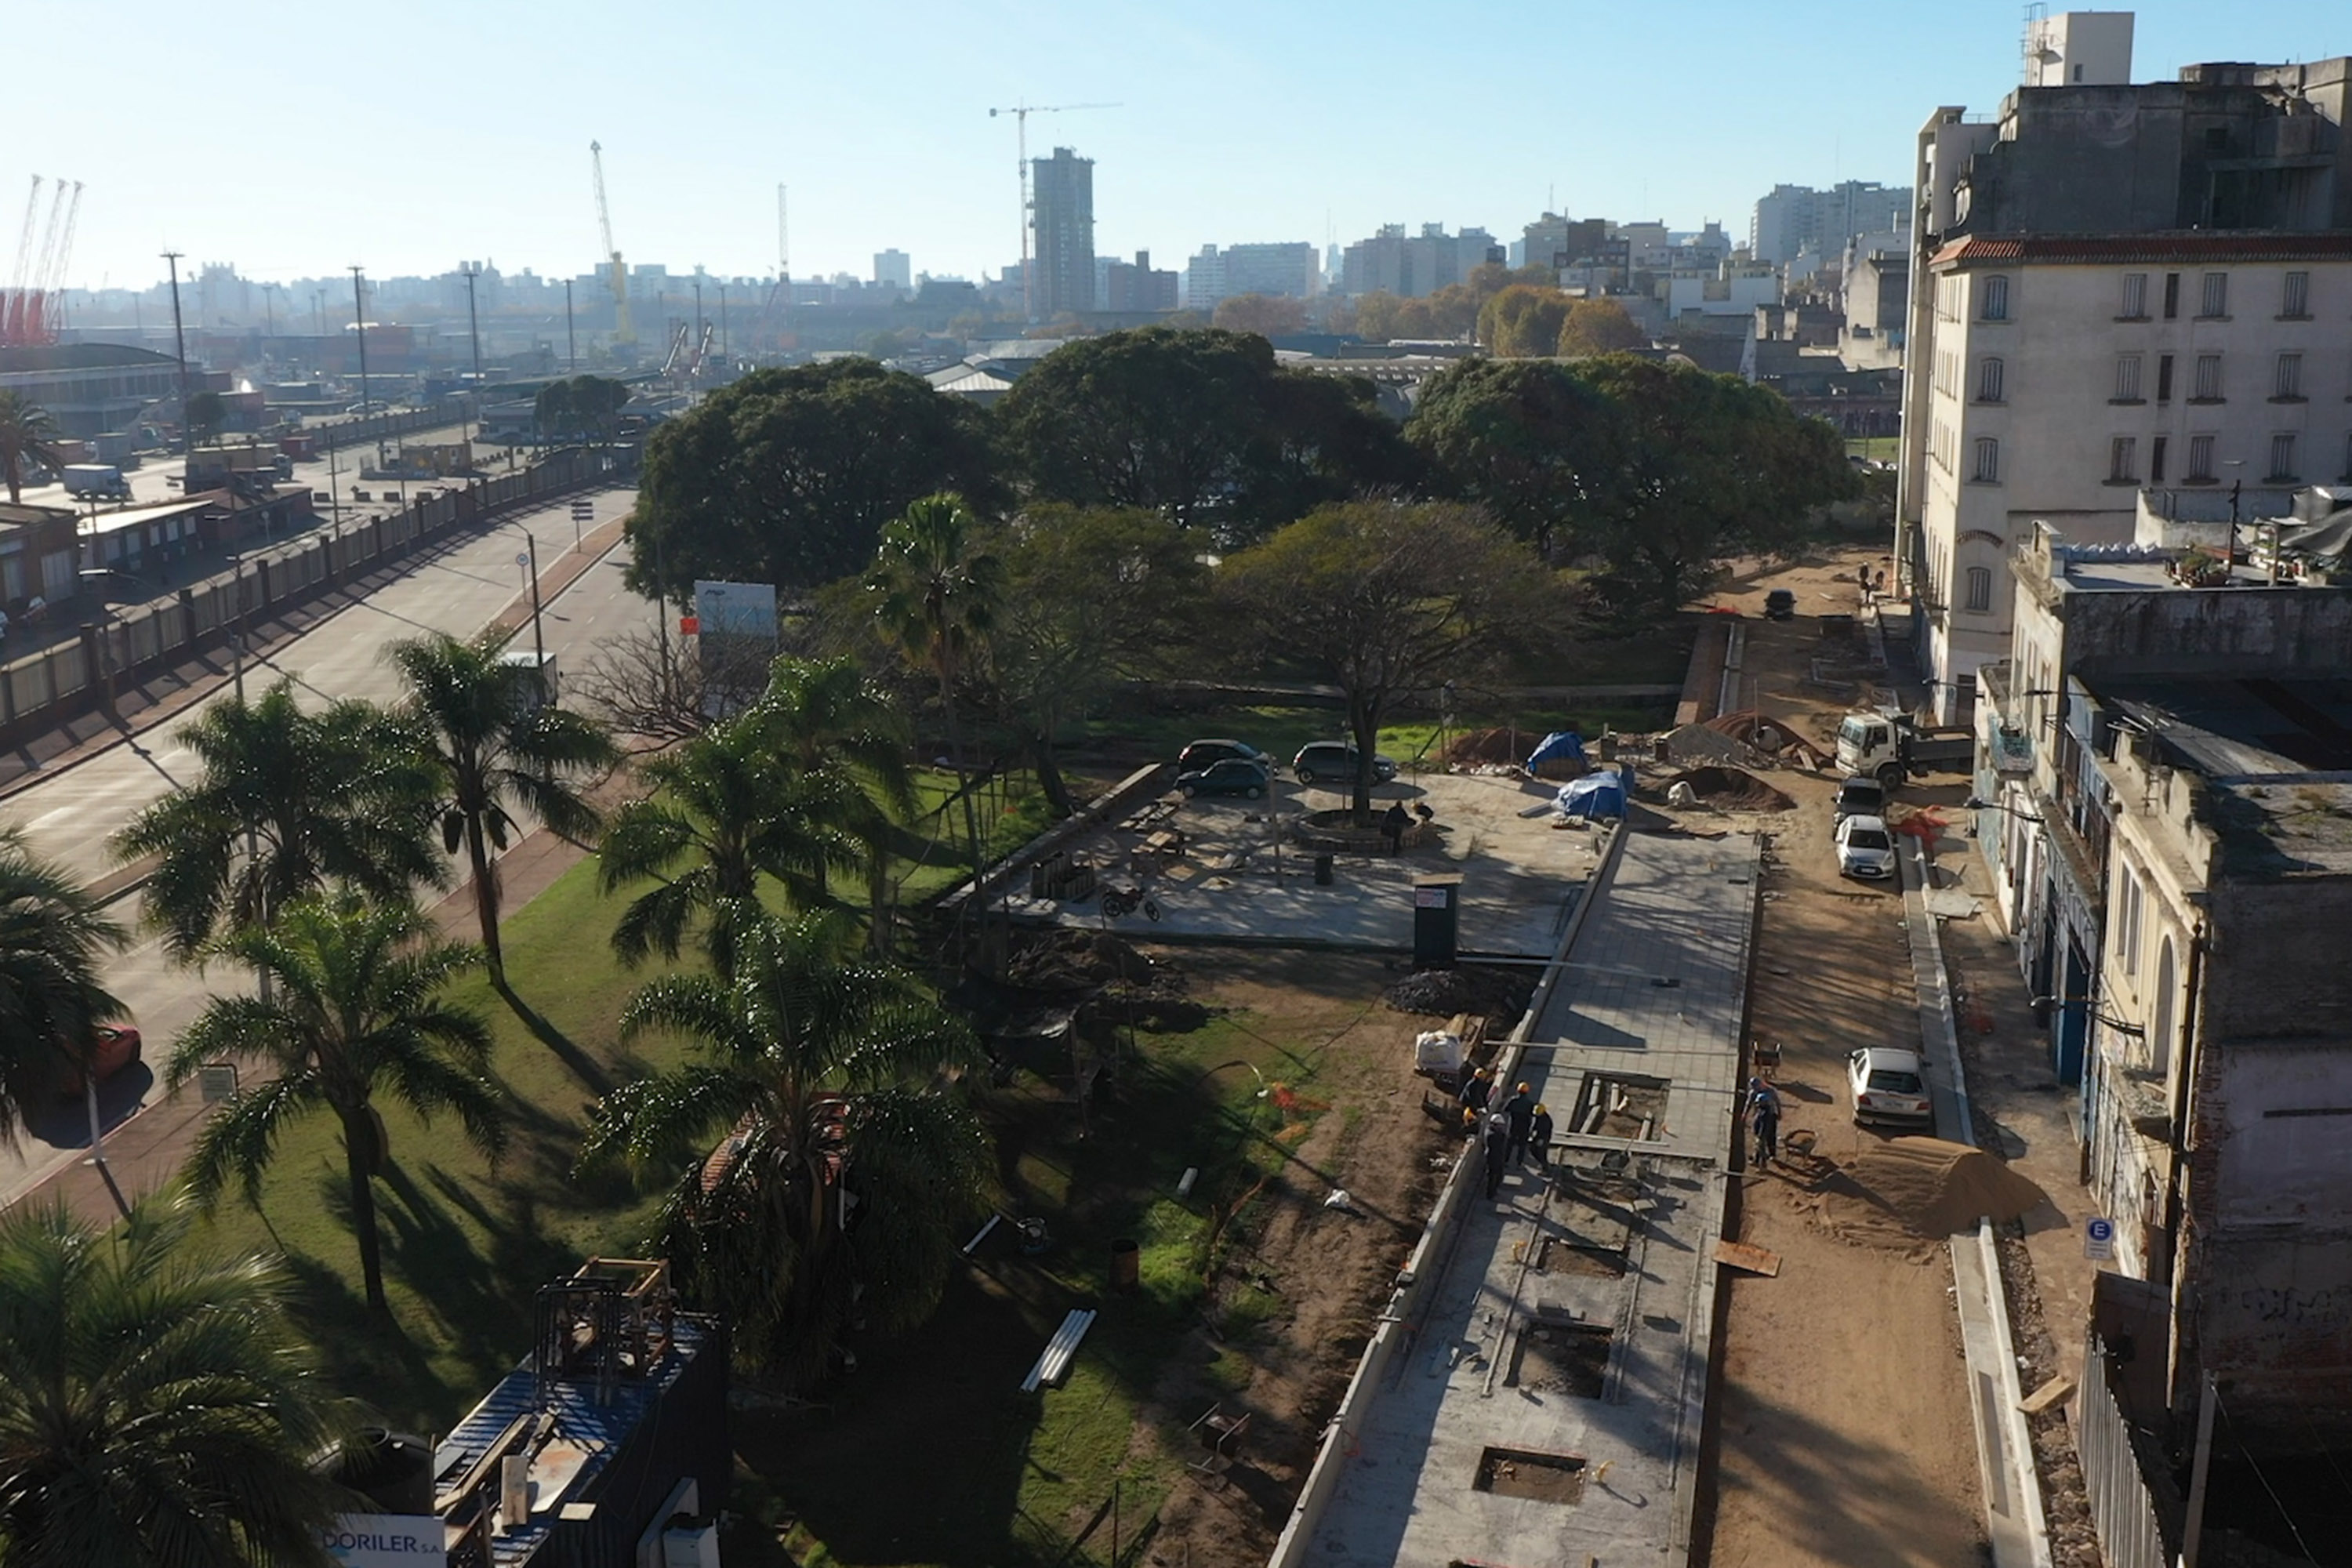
x=449, y=135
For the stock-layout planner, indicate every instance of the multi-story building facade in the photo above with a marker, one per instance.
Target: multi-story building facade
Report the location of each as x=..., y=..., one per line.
x=1123, y=286
x=1411, y=266
x=1288, y=268
x=1791, y=219
x=895, y=269
x=1062, y=198
x=2111, y=287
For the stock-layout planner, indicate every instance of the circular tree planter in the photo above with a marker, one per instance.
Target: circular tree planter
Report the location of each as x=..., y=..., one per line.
x=1337, y=831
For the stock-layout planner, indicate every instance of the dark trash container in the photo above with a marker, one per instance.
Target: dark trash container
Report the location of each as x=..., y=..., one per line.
x=1126, y=1266
x=1323, y=870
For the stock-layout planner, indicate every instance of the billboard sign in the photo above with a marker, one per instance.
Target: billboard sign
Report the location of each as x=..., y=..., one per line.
x=386, y=1541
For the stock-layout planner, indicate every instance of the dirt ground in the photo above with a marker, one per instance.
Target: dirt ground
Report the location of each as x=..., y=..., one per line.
x=1843, y=1433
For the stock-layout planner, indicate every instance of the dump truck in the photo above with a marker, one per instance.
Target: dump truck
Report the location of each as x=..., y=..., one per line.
x=96, y=479
x=1891, y=747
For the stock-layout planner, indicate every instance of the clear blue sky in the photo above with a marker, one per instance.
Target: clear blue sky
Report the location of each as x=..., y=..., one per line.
x=298, y=140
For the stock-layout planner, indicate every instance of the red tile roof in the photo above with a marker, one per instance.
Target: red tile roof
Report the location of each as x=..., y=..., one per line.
x=2189, y=245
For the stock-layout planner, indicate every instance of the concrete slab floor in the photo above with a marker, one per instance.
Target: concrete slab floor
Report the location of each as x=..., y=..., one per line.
x=1241, y=877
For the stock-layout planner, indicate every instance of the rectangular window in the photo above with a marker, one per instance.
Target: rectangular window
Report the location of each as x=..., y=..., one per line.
x=2156, y=461
x=2294, y=300
x=1996, y=299
x=1988, y=471
x=2135, y=297
x=2200, y=458
x=2127, y=928
x=2216, y=298
x=1989, y=374
x=2281, y=456
x=2126, y=378
x=2286, y=381
x=2164, y=378
x=2123, y=459
x=2208, y=378
x=2171, y=295
x=1980, y=589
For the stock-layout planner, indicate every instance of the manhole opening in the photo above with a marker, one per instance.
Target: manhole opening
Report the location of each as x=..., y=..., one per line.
x=1531, y=1474
x=1619, y=1106
x=1562, y=1358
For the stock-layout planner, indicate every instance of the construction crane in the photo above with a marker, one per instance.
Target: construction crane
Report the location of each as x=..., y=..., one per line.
x=1021, y=114
x=624, y=335
x=12, y=297
x=43, y=314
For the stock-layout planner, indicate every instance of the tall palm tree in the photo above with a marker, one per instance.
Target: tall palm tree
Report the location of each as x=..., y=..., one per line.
x=494, y=747
x=157, y=1410
x=935, y=594
x=283, y=803
x=53, y=936
x=843, y=1163
x=354, y=1011
x=726, y=808
x=28, y=436
x=827, y=719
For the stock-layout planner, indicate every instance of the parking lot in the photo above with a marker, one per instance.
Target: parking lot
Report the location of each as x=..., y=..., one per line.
x=1230, y=870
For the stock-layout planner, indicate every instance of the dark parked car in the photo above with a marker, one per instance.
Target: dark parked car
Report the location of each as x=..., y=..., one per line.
x=1860, y=795
x=1232, y=777
x=1780, y=604
x=1336, y=761
x=1200, y=754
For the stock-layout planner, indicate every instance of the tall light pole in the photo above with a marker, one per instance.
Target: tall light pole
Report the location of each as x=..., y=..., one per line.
x=474, y=330
x=570, y=340
x=179, y=346
x=359, y=321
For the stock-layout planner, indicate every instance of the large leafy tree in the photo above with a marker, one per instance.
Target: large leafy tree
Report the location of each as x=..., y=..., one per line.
x=844, y=1163
x=1708, y=465
x=1267, y=315
x=1093, y=598
x=157, y=1409
x=28, y=436
x=281, y=803
x=725, y=810
x=1534, y=442
x=1523, y=320
x=1324, y=439
x=935, y=590
x=355, y=1011
x=492, y=748
x=1157, y=418
x=1598, y=327
x=1385, y=600
x=787, y=476
x=53, y=939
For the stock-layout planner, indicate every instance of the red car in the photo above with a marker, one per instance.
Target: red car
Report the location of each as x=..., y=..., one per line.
x=113, y=1046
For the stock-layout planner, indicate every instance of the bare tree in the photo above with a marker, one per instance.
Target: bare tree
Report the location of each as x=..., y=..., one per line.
x=641, y=686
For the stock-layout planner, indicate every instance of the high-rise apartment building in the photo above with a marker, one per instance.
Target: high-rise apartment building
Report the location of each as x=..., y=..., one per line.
x=1286, y=268
x=1793, y=219
x=1062, y=213
x=895, y=269
x=1411, y=266
x=1126, y=286
x=2117, y=289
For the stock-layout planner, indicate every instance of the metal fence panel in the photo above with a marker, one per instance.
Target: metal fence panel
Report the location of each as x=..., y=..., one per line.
x=2121, y=1508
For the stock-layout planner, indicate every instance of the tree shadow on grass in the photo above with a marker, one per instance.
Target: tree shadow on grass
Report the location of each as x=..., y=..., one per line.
x=364, y=1352
x=582, y=1066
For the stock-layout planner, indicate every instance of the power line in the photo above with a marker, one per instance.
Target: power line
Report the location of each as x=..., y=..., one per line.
x=2276, y=1501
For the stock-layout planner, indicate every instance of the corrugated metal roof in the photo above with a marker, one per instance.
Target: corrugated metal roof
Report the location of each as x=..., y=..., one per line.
x=2114, y=249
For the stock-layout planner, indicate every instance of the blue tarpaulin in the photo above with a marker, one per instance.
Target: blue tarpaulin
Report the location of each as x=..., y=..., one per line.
x=1601, y=794
x=1560, y=746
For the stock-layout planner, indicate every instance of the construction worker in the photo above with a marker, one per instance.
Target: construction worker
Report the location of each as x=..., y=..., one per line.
x=1476, y=1088
x=1539, y=1137
x=1519, y=1114
x=1499, y=1151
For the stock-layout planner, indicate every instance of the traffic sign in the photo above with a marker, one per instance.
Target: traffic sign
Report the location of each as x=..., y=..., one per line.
x=522, y=558
x=583, y=509
x=689, y=625
x=2098, y=1239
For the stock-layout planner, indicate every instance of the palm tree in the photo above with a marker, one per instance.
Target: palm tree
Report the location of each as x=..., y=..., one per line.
x=53, y=935
x=28, y=436
x=353, y=1011
x=283, y=803
x=726, y=808
x=157, y=1410
x=935, y=594
x=842, y=1165
x=827, y=719
x=483, y=732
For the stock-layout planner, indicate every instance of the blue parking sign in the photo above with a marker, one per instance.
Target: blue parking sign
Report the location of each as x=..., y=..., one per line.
x=2098, y=1239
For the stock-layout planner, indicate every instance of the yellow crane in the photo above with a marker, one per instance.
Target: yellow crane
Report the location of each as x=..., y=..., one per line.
x=1021, y=114
x=624, y=335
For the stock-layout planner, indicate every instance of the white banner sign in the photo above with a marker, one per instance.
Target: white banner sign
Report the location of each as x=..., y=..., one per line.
x=386, y=1541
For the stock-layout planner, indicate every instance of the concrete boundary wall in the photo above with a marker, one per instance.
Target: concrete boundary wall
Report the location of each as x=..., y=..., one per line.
x=2015, y=1521
x=43, y=690
x=1399, y=1323
x=1143, y=783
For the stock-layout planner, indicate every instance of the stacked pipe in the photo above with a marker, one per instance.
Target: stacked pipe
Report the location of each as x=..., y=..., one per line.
x=1055, y=1364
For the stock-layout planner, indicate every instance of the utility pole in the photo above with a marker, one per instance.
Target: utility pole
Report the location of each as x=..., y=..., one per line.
x=538, y=644
x=2201, y=1465
x=722, y=320
x=358, y=320
x=570, y=342
x=179, y=346
x=474, y=331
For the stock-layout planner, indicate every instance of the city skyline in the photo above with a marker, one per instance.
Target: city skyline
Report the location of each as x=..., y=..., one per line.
x=1228, y=126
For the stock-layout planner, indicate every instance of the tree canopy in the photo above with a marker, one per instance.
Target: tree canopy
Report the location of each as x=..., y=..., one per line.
x=1531, y=440
x=1267, y=315
x=1523, y=320
x=1598, y=327
x=787, y=476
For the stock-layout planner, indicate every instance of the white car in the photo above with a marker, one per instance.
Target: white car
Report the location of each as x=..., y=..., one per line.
x=1864, y=848
x=1889, y=1084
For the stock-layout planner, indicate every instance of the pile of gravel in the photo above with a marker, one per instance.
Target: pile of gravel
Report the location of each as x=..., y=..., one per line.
x=1500, y=995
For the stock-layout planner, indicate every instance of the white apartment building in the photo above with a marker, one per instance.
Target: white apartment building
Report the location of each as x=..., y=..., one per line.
x=2062, y=375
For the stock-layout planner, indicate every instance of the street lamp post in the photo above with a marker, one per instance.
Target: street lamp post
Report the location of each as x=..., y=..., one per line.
x=358, y=323
x=474, y=331
x=570, y=339
x=179, y=347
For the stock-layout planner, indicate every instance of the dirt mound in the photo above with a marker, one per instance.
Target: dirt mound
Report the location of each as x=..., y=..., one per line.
x=1489, y=747
x=1500, y=995
x=1079, y=961
x=1731, y=789
x=1906, y=1188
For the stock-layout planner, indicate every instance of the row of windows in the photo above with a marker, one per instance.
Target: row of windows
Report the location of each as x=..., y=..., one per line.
x=2123, y=455
x=2206, y=385
x=2213, y=296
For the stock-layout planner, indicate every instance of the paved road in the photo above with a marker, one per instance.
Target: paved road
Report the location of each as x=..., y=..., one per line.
x=151, y=481
x=70, y=817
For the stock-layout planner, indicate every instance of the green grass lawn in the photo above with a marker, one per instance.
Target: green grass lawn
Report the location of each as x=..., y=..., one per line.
x=1874, y=449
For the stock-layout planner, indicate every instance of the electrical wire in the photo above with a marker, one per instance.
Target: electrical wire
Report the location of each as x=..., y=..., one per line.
x=2276, y=1501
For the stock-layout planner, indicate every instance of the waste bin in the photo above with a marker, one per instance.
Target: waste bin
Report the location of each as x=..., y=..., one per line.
x=1126, y=1266
x=1436, y=921
x=1323, y=870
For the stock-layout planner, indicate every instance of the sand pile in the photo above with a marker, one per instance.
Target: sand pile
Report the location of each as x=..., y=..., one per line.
x=1490, y=748
x=1730, y=789
x=1907, y=1188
